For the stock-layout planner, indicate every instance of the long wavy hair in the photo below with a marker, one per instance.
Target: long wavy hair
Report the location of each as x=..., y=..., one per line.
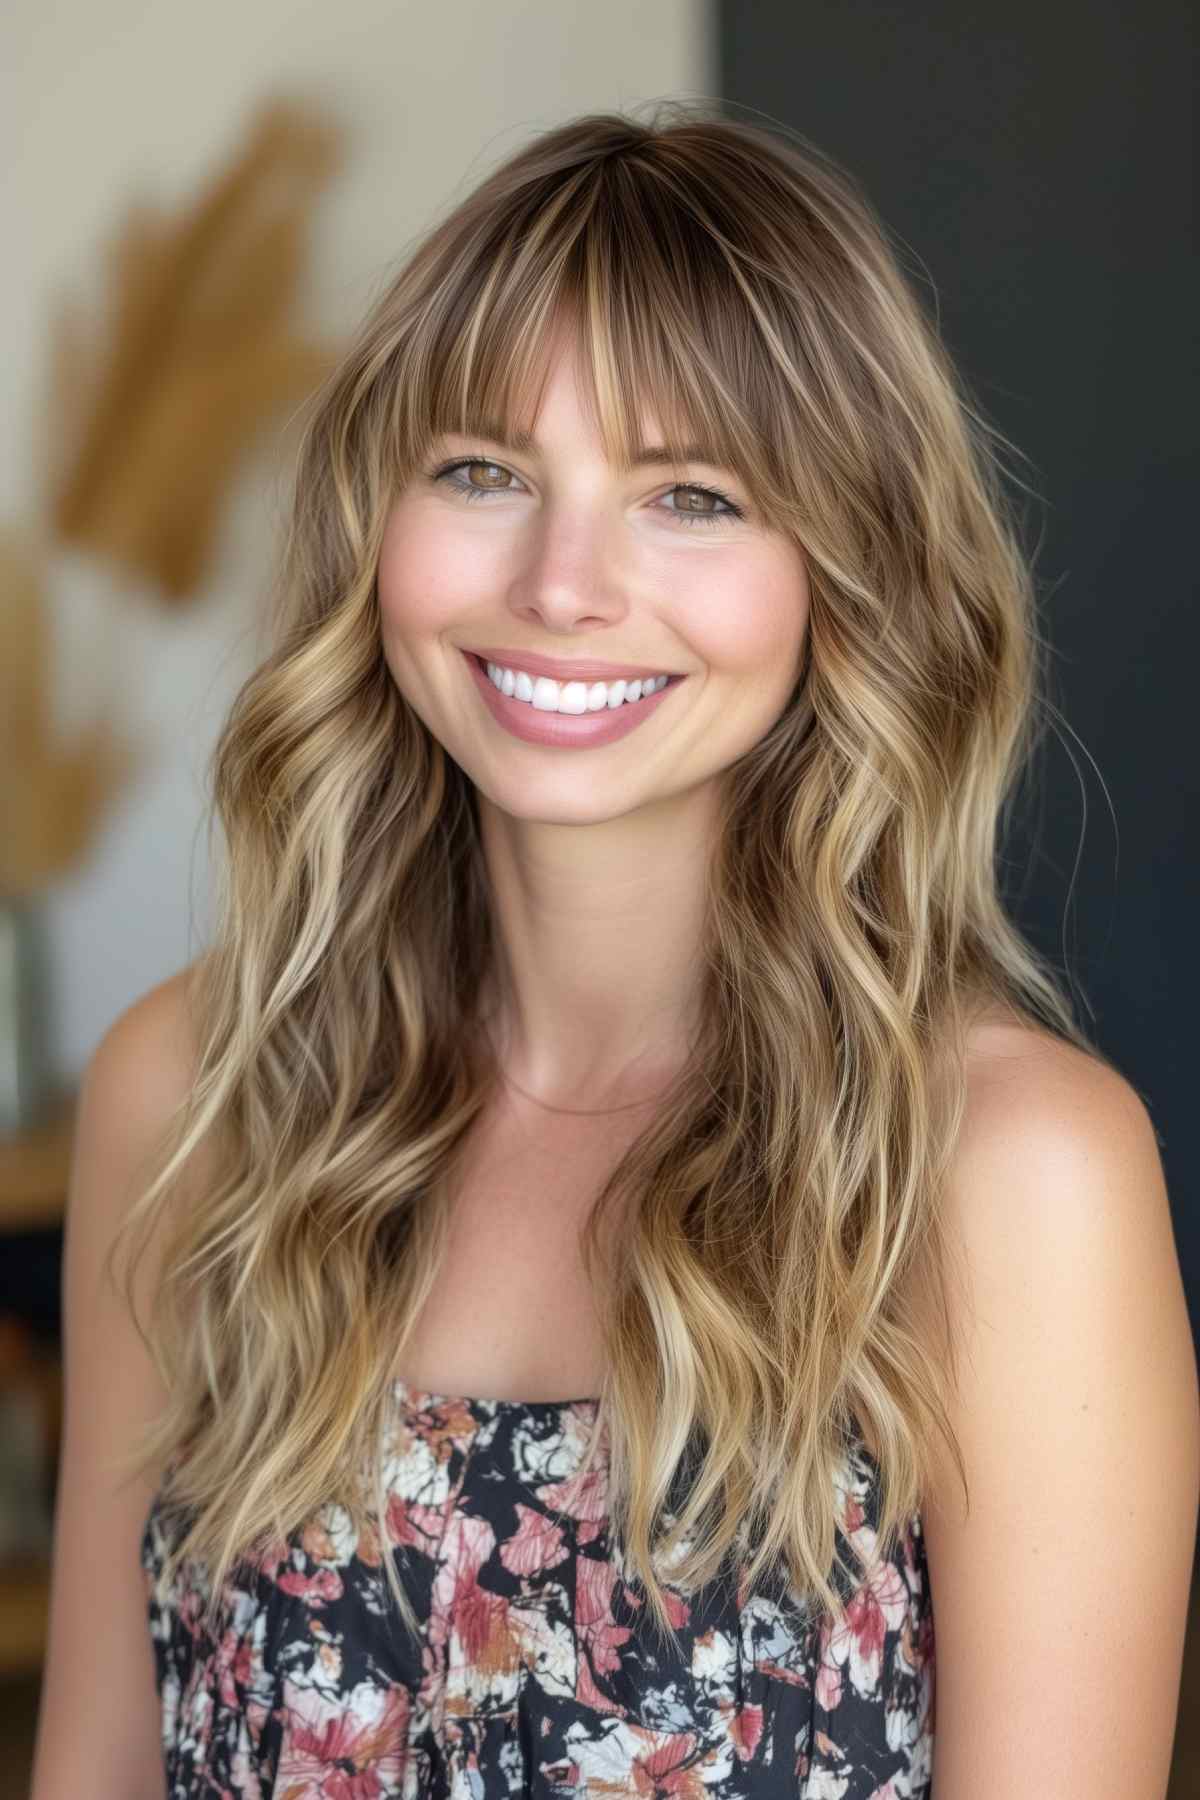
x=766, y=1298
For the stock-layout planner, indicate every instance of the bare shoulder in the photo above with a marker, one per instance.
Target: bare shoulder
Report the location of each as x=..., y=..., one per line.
x=1039, y=1105
x=1002, y=1043
x=149, y=1051
x=135, y=1081
x=1077, y=1412
x=1056, y=1168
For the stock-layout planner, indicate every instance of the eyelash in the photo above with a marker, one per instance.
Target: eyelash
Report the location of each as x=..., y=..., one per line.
x=687, y=487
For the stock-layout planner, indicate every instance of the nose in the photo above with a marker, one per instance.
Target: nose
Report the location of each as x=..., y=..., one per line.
x=568, y=576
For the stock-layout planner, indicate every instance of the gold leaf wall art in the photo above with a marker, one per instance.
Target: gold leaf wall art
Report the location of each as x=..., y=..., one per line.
x=201, y=354
x=142, y=436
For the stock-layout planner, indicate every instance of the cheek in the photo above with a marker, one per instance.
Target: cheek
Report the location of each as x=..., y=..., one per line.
x=426, y=572
x=755, y=624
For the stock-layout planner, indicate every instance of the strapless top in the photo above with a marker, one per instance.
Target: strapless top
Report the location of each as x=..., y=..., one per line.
x=537, y=1671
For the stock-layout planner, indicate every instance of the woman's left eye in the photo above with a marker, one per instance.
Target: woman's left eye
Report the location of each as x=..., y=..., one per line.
x=692, y=517
x=702, y=515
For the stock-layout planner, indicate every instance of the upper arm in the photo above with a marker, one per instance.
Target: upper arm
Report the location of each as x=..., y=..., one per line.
x=1060, y=1596
x=99, y=1728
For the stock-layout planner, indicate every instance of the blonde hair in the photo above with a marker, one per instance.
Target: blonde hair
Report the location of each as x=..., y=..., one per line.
x=783, y=1205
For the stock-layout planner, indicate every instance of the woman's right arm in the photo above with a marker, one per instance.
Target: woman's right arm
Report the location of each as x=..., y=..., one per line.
x=99, y=1724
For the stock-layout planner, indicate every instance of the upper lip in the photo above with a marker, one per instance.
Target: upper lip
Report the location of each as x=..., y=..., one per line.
x=575, y=669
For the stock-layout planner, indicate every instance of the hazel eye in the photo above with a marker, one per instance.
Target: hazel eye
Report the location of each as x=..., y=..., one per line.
x=452, y=474
x=703, y=514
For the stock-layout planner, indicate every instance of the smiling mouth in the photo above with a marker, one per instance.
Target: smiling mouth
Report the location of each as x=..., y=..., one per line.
x=536, y=691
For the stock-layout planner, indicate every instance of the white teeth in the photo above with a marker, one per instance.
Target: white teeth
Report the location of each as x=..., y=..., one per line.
x=570, y=696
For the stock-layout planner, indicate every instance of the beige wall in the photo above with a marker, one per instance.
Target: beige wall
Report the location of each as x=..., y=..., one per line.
x=107, y=97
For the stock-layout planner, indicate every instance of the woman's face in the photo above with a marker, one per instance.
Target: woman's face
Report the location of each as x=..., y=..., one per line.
x=551, y=552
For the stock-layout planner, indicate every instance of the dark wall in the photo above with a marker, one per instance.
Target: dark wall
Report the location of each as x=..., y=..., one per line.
x=1036, y=159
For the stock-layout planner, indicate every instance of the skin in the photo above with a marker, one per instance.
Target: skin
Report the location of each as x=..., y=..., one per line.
x=596, y=856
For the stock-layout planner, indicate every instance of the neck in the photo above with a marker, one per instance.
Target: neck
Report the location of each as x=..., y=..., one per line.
x=598, y=931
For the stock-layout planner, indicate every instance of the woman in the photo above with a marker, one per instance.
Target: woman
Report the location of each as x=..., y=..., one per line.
x=612, y=999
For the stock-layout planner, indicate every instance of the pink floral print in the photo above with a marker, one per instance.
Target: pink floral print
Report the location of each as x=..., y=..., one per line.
x=536, y=1673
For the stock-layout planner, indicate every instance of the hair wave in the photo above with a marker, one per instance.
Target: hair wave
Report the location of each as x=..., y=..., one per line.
x=780, y=1216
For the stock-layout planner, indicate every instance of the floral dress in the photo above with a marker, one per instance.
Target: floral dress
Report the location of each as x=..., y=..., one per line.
x=536, y=1672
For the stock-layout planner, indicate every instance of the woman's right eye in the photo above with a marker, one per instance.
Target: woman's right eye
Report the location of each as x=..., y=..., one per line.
x=450, y=474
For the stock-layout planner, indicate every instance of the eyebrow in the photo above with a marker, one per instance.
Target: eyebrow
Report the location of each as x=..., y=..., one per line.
x=643, y=454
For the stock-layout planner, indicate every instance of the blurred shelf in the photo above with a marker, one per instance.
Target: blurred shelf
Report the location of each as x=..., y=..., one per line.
x=24, y=1615
x=34, y=1174
x=34, y=1171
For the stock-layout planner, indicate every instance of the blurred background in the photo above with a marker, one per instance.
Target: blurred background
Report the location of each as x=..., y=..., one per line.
x=202, y=204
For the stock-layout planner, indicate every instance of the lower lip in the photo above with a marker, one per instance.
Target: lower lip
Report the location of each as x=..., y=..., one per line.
x=565, y=731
